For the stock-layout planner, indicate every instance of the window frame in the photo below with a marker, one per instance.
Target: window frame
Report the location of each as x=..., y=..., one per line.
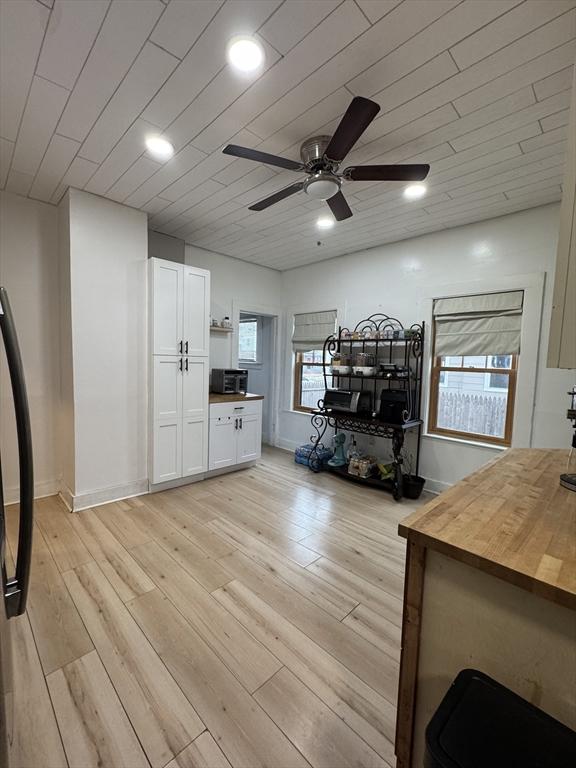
x=436, y=370
x=297, y=394
x=258, y=360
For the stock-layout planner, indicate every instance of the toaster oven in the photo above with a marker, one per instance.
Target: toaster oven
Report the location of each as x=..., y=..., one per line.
x=347, y=401
x=230, y=381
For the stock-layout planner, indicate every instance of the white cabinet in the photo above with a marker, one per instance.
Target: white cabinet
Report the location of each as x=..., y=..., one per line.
x=180, y=309
x=222, y=446
x=194, y=387
x=196, y=311
x=235, y=433
x=166, y=306
x=167, y=450
x=249, y=438
x=167, y=400
x=179, y=336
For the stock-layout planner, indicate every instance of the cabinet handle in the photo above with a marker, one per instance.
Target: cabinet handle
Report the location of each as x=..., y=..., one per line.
x=181, y=346
x=186, y=364
x=240, y=423
x=180, y=365
x=235, y=423
x=186, y=347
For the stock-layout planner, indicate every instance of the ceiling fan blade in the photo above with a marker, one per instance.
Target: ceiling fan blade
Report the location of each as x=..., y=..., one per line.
x=262, y=157
x=277, y=196
x=339, y=207
x=357, y=118
x=387, y=172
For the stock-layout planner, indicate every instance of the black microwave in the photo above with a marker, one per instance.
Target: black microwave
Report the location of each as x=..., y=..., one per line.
x=230, y=381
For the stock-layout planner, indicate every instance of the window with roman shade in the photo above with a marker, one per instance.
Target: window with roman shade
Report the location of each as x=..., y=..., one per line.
x=483, y=324
x=475, y=357
x=311, y=329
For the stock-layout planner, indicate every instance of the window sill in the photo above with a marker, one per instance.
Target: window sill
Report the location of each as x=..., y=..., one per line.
x=308, y=414
x=463, y=440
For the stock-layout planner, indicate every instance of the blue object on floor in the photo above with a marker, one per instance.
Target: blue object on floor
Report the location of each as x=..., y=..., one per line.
x=302, y=454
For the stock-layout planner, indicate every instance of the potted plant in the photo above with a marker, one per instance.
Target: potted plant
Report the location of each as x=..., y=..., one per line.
x=412, y=485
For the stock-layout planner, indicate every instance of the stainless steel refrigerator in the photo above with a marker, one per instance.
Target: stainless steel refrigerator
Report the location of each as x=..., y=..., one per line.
x=14, y=584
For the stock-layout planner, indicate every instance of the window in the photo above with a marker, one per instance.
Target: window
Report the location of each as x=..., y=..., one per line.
x=249, y=340
x=311, y=329
x=475, y=354
x=472, y=396
x=308, y=380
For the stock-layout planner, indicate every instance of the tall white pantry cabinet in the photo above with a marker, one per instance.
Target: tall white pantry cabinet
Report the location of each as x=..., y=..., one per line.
x=179, y=340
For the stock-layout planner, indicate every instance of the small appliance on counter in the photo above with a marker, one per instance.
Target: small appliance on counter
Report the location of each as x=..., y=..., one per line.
x=229, y=381
x=347, y=401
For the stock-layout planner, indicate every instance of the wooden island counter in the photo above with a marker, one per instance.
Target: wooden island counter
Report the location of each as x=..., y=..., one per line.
x=490, y=584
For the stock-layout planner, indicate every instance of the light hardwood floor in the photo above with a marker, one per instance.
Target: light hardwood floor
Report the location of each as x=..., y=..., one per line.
x=251, y=620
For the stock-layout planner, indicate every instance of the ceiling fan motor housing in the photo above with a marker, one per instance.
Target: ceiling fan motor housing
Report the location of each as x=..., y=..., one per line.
x=312, y=152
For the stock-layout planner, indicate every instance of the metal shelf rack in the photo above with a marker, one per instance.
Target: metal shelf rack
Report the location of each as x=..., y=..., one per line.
x=390, y=342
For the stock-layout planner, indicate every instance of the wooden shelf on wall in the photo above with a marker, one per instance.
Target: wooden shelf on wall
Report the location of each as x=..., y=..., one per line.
x=218, y=329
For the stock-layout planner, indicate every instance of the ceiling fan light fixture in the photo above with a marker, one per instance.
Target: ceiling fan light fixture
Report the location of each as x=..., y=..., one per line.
x=322, y=186
x=325, y=222
x=415, y=191
x=245, y=54
x=159, y=148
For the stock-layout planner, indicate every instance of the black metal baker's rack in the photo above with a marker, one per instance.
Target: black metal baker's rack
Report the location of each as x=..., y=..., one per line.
x=389, y=342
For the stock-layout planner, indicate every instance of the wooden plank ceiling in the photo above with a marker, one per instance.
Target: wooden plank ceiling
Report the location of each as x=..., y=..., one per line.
x=477, y=88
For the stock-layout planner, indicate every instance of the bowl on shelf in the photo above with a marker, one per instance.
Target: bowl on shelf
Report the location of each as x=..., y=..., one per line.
x=364, y=370
x=342, y=370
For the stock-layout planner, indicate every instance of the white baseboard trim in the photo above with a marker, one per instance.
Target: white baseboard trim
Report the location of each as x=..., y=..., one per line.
x=287, y=445
x=157, y=487
x=197, y=478
x=41, y=491
x=104, y=495
x=436, y=486
x=67, y=496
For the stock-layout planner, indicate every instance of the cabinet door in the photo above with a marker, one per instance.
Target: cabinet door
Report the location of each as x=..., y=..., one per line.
x=167, y=451
x=222, y=445
x=167, y=307
x=168, y=379
x=195, y=387
x=194, y=446
x=196, y=329
x=249, y=438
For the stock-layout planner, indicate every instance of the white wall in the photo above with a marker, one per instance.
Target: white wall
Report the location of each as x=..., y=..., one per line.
x=400, y=278
x=235, y=285
x=108, y=256
x=29, y=271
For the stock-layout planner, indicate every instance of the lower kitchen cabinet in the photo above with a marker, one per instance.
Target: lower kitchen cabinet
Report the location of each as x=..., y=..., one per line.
x=235, y=433
x=179, y=407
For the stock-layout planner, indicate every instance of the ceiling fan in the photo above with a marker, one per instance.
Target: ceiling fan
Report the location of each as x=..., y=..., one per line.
x=321, y=158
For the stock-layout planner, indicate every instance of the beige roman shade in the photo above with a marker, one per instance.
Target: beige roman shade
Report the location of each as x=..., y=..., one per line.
x=311, y=329
x=483, y=324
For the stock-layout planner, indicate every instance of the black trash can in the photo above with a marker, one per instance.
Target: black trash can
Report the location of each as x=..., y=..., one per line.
x=482, y=724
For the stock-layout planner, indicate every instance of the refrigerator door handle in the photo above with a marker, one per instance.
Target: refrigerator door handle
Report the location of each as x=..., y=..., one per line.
x=17, y=587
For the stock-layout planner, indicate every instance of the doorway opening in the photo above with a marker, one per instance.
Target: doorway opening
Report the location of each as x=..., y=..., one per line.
x=256, y=353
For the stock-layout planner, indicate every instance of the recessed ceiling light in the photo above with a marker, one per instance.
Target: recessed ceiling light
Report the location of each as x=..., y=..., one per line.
x=415, y=191
x=159, y=148
x=325, y=222
x=245, y=54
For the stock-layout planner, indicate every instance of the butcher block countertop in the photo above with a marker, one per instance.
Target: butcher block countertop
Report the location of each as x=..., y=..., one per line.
x=216, y=397
x=512, y=519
